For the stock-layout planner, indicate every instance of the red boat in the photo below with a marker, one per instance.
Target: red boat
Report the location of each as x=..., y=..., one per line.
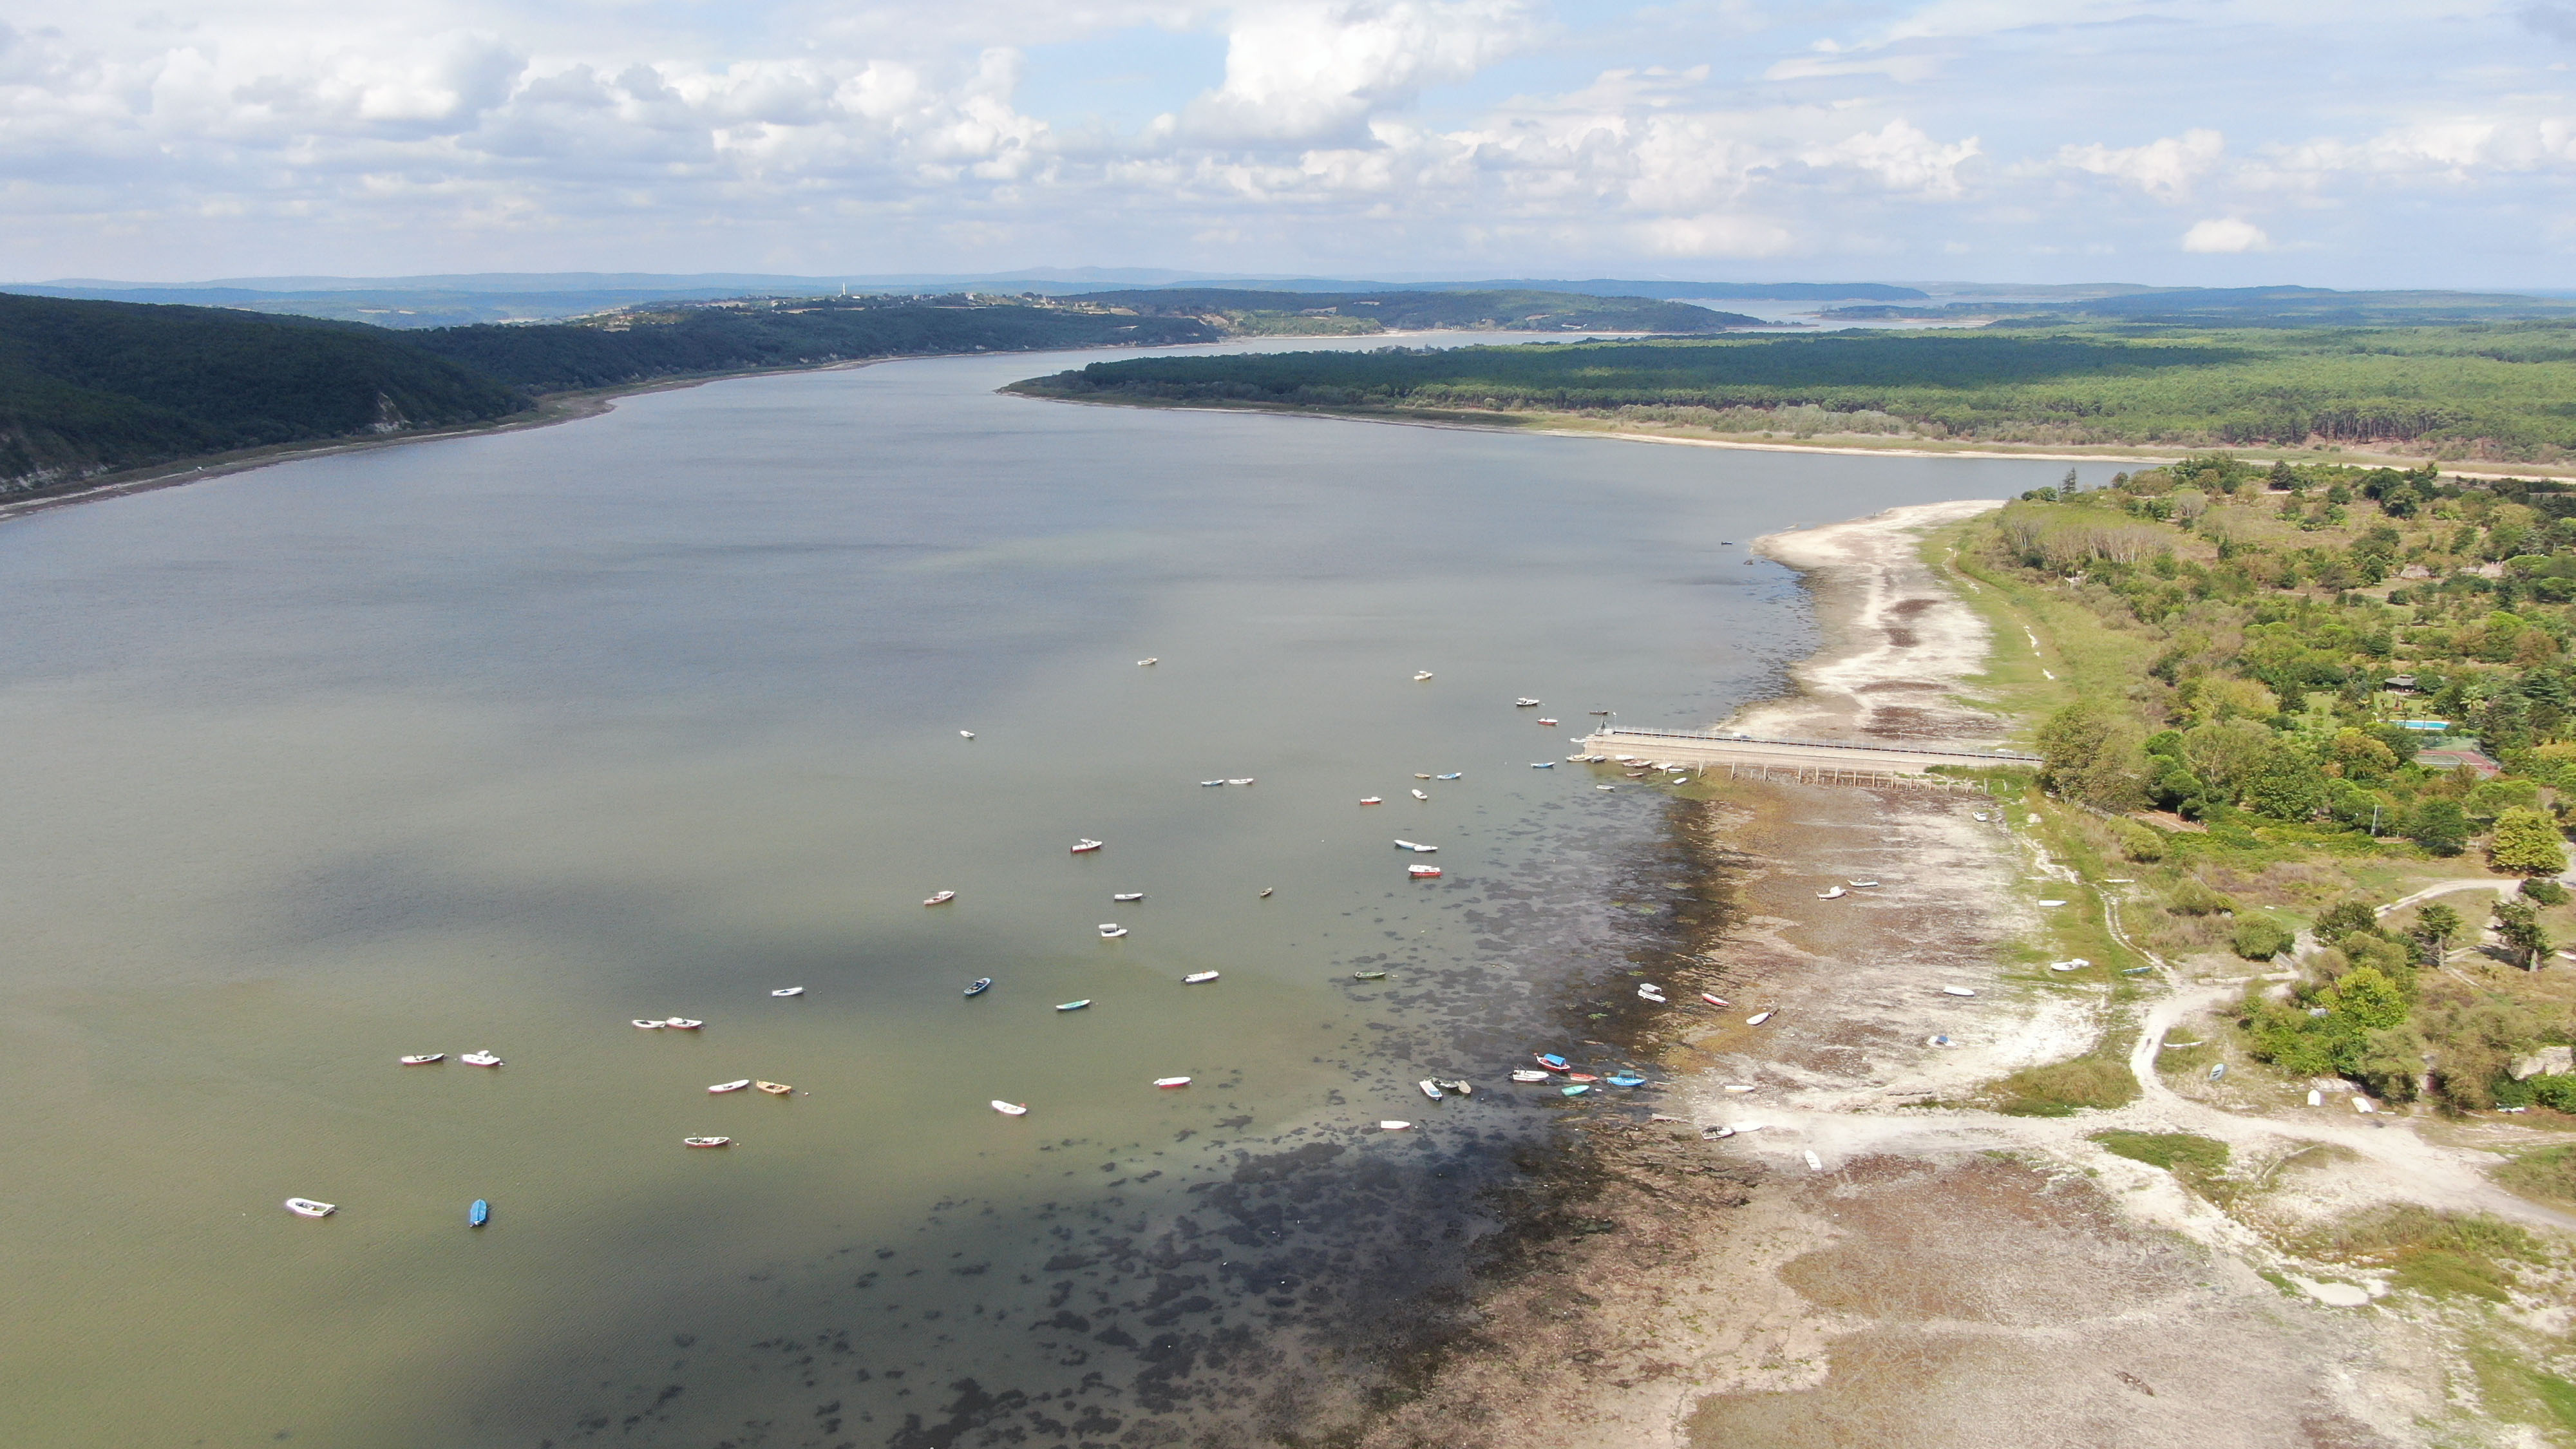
x=1422, y=872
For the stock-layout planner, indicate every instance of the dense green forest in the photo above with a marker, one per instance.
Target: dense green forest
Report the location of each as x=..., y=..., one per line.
x=2292, y=680
x=2504, y=390
x=88, y=387
x=1362, y=313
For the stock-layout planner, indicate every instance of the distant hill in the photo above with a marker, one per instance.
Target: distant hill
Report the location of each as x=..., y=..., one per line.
x=96, y=387
x=1247, y=311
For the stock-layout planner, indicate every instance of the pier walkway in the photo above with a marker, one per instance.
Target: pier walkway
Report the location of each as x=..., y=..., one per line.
x=1806, y=762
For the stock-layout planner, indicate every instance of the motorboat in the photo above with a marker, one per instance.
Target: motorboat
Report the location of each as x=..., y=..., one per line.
x=1073, y=1005
x=721, y=1088
x=1625, y=1079
x=775, y=1089
x=1551, y=1061
x=1240, y=780
x=1418, y=795
x=1832, y=895
x=1111, y=930
x=1429, y=1088
x=1605, y=787
x=642, y=1024
x=683, y=1023
x=1455, y=1086
x=1197, y=977
x=1423, y=872
x=966, y=734
x=425, y=1059
x=480, y=1059
x=1548, y=722
x=1757, y=1018
x=1525, y=702
x=1528, y=1074
x=1010, y=1109
x=1371, y=800
x=1203, y=784
x=1452, y=775
x=1653, y=994
x=1368, y=976
x=1542, y=764
x=1864, y=885
x=940, y=898
x=1712, y=998
x=1602, y=712
x=706, y=1142
x=1956, y=991
x=1420, y=675
x=1126, y=895
x=1266, y=890
x=1149, y=663
x=1417, y=846
x=1167, y=1083
x=305, y=1207
x=982, y=984
x=479, y=1214
x=789, y=991
x=1085, y=847
x=1393, y=1126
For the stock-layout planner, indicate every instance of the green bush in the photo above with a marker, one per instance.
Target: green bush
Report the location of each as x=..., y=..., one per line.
x=2260, y=938
x=2545, y=891
x=2190, y=898
x=2140, y=843
x=2181, y=1153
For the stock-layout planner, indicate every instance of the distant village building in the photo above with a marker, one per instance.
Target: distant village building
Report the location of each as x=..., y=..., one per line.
x=2400, y=684
x=2414, y=571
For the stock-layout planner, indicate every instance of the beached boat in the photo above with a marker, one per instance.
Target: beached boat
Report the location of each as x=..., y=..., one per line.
x=1085, y=847
x=479, y=1214
x=1371, y=800
x=1010, y=1109
x=1420, y=675
x=1832, y=895
x=789, y=991
x=980, y=985
x=1651, y=993
x=1549, y=722
x=1240, y=780
x=1576, y=1090
x=1940, y=1040
x=1429, y=1088
x=1368, y=976
x=425, y=1059
x=1740, y=1087
x=706, y=1142
x=1111, y=930
x=1528, y=1074
x=305, y=1207
x=1452, y=775
x=940, y=898
x=1757, y=1018
x=1581, y=1077
x=480, y=1059
x=1814, y=1163
x=1605, y=787
x=1551, y=1061
x=682, y=1023
x=1422, y=872
x=1542, y=764
x=1415, y=845
x=1712, y=999
x=1393, y=1126
x=1455, y=1086
x=1419, y=795
x=775, y=1089
x=1073, y=1005
x=1625, y=1079
x=1864, y=885
x=1196, y=977
x=721, y=1088
x=1956, y=991
x=1167, y=1083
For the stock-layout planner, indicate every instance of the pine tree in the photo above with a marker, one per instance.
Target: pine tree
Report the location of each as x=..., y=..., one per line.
x=2527, y=842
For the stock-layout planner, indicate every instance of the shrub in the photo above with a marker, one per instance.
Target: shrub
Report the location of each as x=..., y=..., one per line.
x=2191, y=898
x=2181, y=1153
x=2527, y=843
x=2260, y=938
x=2345, y=917
x=2544, y=891
x=2140, y=843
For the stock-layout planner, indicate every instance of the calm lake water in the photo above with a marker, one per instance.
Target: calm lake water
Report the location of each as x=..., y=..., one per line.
x=500, y=742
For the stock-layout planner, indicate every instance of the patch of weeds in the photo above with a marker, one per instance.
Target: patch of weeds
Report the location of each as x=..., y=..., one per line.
x=2548, y=1173
x=2516, y=1391
x=2434, y=1253
x=2186, y=1155
x=2060, y=1088
x=2193, y=1061
x=2279, y=1281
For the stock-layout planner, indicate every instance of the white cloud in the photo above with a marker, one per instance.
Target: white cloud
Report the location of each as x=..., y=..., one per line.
x=2225, y=235
x=2165, y=168
x=1902, y=156
x=1305, y=72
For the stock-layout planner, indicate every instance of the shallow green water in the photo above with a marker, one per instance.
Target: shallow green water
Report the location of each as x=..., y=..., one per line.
x=501, y=742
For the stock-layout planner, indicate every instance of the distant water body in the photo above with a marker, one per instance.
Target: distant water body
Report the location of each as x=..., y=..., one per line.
x=502, y=741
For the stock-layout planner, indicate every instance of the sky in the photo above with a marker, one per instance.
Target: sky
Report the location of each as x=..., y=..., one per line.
x=2366, y=143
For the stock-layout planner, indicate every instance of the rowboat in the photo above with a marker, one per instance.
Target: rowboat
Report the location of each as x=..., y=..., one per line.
x=1391, y=1126
x=1422, y=872
x=775, y=1089
x=305, y=1207
x=1239, y=780
x=1528, y=1074
x=1551, y=1061
x=683, y=1023
x=1170, y=1082
x=1549, y=722
x=480, y=1059
x=1126, y=895
x=789, y=991
x=1085, y=847
x=1525, y=702
x=425, y=1059
x=1422, y=774
x=1712, y=999
x=479, y=1214
x=940, y=898
x=1757, y=1018
x=981, y=985
x=723, y=1087
x=706, y=1142
x=1599, y=711
x=1542, y=764
x=1073, y=1005
x=1111, y=930
x=643, y=1025
x=1454, y=1085
x=1625, y=1079
x=1864, y=885
x=1368, y=976
x=1832, y=895
x=1581, y=1077
x=1418, y=795
x=1649, y=993
x=1197, y=977
x=1577, y=1090
x=1010, y=1109
x=1203, y=784
x=1371, y=800
x=1452, y=775
x=1416, y=845
x=1420, y=675
x=1429, y=1088
x=1956, y=991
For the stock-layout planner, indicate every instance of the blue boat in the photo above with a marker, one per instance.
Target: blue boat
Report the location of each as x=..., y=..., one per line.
x=1625, y=1079
x=479, y=1214
x=1452, y=775
x=1543, y=764
x=1073, y=1005
x=982, y=985
x=1552, y=1061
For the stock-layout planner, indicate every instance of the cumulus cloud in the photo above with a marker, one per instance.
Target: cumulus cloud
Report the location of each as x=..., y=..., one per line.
x=2225, y=235
x=1316, y=72
x=2165, y=168
x=1901, y=156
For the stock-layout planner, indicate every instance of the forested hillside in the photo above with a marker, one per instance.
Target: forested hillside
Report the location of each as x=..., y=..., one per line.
x=92, y=387
x=1364, y=313
x=2504, y=390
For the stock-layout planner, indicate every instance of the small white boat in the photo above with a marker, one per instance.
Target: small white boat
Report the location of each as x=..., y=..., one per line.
x=1815, y=1163
x=1864, y=885
x=1832, y=895
x=1389, y=1126
x=706, y=1142
x=1429, y=1088
x=1417, y=846
x=1549, y=722
x=1266, y=890
x=722, y=1087
x=1167, y=1083
x=789, y=991
x=1196, y=977
x=1149, y=663
x=1528, y=1074
x=1524, y=702
x=1083, y=1005
x=1712, y=999
x=2062, y=966
x=642, y=1024
x=1418, y=795
x=1240, y=780
x=940, y=898
x=1420, y=675
x=1085, y=847
x=2052, y=903
x=966, y=734
x=1757, y=1018
x=1452, y=775
x=775, y=1089
x=480, y=1059
x=683, y=1023
x=1941, y=1039
x=1655, y=994
x=1740, y=1086
x=1956, y=991
x=1605, y=787
x=1422, y=872
x=1203, y=784
x=1542, y=764
x=305, y=1207
x=1126, y=895
x=1111, y=930
x=1716, y=1132
x=1371, y=800
x=424, y=1059
x=1010, y=1109
x=1456, y=1085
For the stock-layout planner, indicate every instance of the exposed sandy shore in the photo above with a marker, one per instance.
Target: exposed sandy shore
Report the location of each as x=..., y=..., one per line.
x=1935, y=1275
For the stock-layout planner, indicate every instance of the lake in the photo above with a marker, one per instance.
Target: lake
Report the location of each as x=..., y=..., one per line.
x=501, y=742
